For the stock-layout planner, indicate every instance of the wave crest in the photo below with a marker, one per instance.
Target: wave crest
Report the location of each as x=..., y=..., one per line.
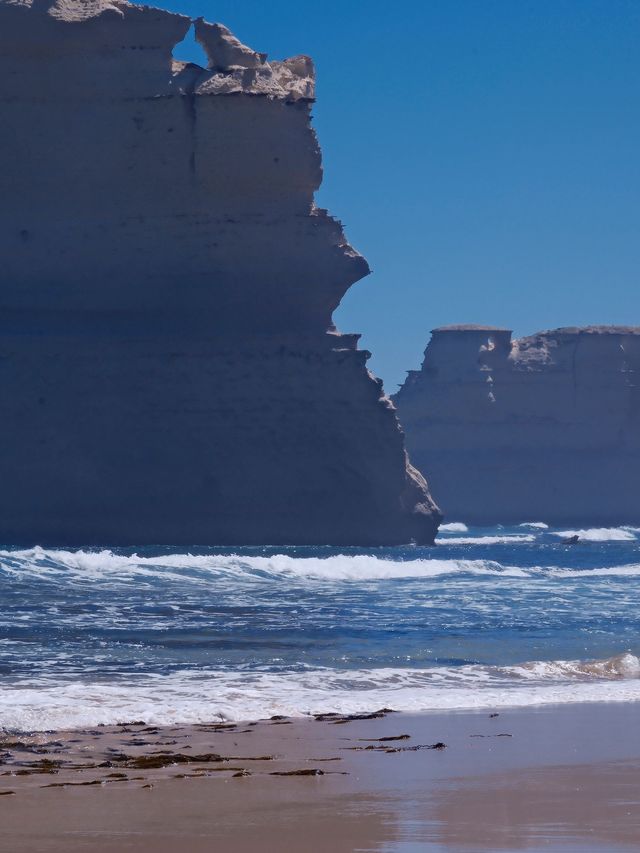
x=96, y=565
x=618, y=667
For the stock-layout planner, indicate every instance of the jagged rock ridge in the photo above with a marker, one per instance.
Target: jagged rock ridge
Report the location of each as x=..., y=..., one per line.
x=545, y=428
x=169, y=368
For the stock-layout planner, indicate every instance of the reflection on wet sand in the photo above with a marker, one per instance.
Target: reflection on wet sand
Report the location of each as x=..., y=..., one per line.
x=589, y=806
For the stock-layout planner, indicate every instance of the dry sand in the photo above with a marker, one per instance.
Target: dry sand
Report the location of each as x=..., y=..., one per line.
x=562, y=778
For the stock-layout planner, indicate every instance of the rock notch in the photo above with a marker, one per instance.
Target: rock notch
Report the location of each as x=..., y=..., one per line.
x=169, y=368
x=545, y=428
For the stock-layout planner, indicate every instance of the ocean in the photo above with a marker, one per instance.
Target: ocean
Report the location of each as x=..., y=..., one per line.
x=488, y=618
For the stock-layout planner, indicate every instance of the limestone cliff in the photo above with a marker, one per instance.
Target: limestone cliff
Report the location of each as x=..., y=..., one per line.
x=168, y=364
x=545, y=428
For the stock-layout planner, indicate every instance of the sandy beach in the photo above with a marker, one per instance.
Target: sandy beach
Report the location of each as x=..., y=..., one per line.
x=559, y=778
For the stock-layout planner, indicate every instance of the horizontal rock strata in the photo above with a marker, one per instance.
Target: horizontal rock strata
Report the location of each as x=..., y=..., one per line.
x=168, y=364
x=545, y=428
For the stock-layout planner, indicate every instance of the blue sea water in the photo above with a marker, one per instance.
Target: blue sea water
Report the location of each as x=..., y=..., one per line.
x=486, y=618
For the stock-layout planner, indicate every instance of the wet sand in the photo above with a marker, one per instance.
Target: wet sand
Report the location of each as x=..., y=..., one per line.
x=556, y=778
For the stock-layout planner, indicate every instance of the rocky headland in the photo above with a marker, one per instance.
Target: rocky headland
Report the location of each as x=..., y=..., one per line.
x=169, y=367
x=544, y=428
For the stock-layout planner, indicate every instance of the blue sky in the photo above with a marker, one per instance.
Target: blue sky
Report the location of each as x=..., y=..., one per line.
x=484, y=155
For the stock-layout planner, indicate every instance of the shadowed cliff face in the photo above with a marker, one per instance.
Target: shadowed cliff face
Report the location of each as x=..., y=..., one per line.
x=169, y=367
x=545, y=428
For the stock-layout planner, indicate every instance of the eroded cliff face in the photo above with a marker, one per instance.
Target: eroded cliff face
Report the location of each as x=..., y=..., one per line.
x=169, y=368
x=545, y=428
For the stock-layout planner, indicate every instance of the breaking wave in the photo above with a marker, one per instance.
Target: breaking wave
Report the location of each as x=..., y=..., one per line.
x=486, y=540
x=601, y=534
x=620, y=666
x=196, y=697
x=97, y=565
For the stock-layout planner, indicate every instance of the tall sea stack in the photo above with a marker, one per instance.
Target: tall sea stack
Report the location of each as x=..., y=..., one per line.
x=545, y=428
x=169, y=368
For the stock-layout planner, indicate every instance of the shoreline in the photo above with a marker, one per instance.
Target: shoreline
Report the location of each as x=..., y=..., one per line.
x=180, y=699
x=492, y=780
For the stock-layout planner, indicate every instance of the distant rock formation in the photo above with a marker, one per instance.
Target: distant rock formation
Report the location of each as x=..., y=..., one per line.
x=545, y=428
x=168, y=364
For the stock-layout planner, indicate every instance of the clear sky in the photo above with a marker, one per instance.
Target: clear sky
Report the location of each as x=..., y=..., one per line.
x=484, y=155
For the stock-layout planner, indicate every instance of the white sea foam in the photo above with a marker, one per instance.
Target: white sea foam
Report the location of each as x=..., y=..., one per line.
x=486, y=540
x=599, y=534
x=191, y=697
x=536, y=525
x=453, y=527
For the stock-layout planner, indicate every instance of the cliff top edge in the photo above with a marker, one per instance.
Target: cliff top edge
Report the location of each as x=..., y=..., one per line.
x=560, y=331
x=60, y=29
x=468, y=327
x=590, y=330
